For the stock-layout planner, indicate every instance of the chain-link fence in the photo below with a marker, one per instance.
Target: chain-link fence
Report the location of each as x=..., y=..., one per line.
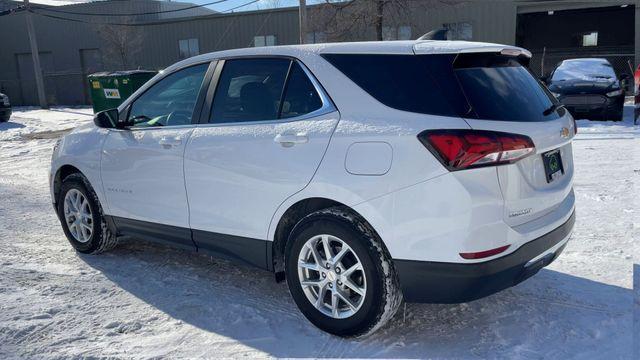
x=545, y=61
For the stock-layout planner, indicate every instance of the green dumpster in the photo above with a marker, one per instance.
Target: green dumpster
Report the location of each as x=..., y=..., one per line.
x=110, y=89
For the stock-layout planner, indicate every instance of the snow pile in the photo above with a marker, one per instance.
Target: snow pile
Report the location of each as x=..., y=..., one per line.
x=25, y=120
x=145, y=301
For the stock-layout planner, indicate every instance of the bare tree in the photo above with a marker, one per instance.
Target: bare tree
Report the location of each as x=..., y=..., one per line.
x=269, y=4
x=121, y=45
x=354, y=19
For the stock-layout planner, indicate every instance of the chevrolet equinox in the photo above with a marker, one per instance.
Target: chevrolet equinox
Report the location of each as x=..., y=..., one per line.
x=362, y=174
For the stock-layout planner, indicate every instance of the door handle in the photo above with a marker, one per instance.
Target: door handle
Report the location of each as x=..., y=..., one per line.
x=169, y=142
x=288, y=140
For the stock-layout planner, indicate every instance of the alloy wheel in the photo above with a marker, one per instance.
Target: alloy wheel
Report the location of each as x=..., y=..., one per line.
x=77, y=214
x=331, y=276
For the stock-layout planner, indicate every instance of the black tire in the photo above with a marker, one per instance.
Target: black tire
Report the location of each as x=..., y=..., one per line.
x=101, y=239
x=616, y=116
x=382, y=296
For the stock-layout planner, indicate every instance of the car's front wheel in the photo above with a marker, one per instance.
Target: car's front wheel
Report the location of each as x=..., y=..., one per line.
x=340, y=275
x=615, y=116
x=81, y=216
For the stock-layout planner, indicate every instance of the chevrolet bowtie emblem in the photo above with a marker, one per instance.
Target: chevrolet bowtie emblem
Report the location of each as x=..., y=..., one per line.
x=564, y=132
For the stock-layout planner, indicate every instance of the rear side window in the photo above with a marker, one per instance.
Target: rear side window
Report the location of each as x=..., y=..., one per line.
x=263, y=89
x=403, y=82
x=481, y=86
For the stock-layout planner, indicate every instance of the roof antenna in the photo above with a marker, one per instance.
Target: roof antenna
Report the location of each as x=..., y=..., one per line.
x=437, y=34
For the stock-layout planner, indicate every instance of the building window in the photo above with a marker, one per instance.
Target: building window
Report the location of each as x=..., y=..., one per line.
x=590, y=39
x=264, y=40
x=315, y=37
x=188, y=48
x=404, y=32
x=396, y=33
x=459, y=31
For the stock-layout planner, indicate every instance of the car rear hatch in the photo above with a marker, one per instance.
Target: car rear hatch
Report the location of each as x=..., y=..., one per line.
x=504, y=96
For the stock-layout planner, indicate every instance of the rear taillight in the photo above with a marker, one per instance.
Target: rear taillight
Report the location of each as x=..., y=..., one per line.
x=464, y=149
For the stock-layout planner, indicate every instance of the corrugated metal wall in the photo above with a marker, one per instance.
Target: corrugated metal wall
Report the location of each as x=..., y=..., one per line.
x=65, y=41
x=492, y=21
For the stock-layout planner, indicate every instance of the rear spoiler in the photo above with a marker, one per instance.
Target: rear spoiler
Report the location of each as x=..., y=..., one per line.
x=462, y=47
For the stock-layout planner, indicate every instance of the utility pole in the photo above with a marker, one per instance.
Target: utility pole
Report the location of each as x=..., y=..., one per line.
x=303, y=20
x=35, y=56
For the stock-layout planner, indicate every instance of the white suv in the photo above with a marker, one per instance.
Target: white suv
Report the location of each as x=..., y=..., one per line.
x=362, y=173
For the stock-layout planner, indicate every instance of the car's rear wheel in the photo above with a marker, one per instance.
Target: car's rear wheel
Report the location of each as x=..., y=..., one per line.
x=82, y=218
x=340, y=275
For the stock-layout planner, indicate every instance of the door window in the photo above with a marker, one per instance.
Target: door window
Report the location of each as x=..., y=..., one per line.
x=171, y=101
x=254, y=90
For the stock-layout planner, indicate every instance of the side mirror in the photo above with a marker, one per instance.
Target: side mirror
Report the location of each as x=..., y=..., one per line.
x=107, y=119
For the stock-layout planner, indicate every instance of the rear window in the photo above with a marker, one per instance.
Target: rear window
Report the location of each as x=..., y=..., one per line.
x=480, y=86
x=500, y=88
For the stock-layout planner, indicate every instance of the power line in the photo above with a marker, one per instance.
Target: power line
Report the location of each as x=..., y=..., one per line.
x=130, y=24
x=130, y=14
x=98, y=23
x=239, y=6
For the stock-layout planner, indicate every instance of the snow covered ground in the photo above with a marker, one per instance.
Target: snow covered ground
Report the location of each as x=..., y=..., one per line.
x=143, y=300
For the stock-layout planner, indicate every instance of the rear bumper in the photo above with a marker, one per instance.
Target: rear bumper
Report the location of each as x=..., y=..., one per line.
x=440, y=282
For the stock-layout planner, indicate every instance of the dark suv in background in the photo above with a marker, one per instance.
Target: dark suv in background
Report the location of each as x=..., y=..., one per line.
x=5, y=108
x=589, y=89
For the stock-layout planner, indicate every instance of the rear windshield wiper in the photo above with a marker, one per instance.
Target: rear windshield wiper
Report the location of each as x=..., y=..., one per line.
x=552, y=108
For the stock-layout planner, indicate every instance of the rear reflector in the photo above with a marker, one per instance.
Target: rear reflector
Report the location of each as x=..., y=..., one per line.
x=484, y=254
x=464, y=149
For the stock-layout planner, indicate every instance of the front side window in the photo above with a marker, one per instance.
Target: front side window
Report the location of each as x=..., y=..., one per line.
x=254, y=90
x=170, y=101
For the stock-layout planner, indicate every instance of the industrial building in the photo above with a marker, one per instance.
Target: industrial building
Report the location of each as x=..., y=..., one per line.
x=79, y=39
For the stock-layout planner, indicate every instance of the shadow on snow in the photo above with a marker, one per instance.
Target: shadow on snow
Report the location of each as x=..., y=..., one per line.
x=551, y=314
